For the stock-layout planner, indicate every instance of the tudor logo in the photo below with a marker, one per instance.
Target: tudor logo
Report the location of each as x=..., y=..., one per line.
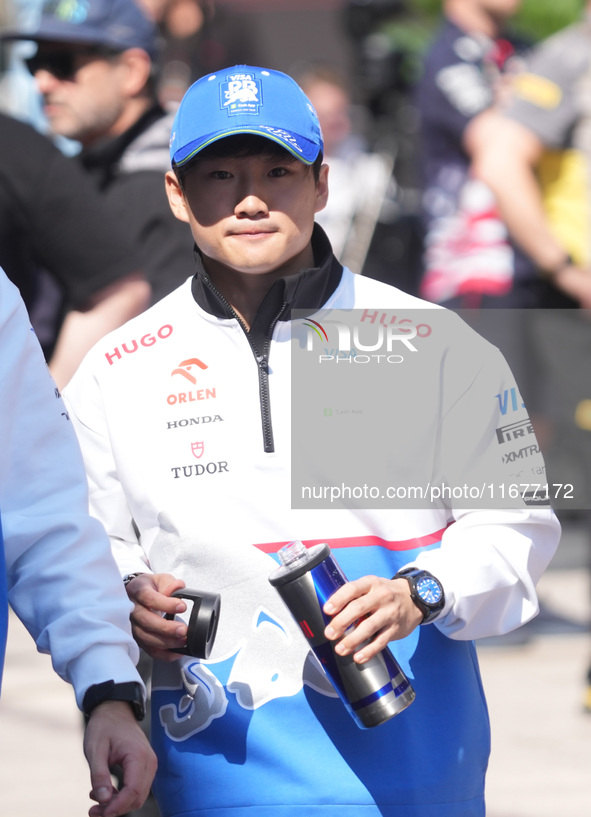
x=197, y=449
x=198, y=470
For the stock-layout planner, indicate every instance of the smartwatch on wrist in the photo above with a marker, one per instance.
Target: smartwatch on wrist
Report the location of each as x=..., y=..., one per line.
x=129, y=577
x=129, y=691
x=425, y=590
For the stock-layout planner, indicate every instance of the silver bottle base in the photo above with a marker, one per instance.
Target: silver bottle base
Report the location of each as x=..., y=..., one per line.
x=384, y=709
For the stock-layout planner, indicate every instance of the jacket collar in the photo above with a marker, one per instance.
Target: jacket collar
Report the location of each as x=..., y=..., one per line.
x=102, y=157
x=307, y=290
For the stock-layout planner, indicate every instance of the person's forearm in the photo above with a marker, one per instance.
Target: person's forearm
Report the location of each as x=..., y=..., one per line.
x=81, y=329
x=504, y=156
x=521, y=206
x=79, y=613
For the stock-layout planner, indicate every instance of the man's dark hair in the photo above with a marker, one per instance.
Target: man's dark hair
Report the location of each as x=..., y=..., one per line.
x=241, y=145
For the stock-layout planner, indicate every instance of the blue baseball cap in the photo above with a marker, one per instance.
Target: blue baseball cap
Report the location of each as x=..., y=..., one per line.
x=116, y=24
x=245, y=99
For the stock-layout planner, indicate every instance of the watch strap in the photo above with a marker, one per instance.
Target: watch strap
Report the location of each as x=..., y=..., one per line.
x=129, y=691
x=411, y=574
x=130, y=576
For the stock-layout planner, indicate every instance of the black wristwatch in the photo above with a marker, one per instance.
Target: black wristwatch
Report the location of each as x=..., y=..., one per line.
x=129, y=577
x=425, y=590
x=130, y=691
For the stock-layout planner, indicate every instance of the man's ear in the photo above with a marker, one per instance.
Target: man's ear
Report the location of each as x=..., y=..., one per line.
x=176, y=197
x=322, y=189
x=138, y=67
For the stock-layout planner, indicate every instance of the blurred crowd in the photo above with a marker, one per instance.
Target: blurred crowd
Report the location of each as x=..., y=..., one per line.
x=459, y=170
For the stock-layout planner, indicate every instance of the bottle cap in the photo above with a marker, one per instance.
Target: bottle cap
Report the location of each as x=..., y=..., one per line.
x=292, y=552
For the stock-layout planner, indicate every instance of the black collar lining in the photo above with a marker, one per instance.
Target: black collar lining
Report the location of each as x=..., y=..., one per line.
x=307, y=290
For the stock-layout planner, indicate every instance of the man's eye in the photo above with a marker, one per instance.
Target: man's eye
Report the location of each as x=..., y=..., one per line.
x=221, y=174
x=278, y=172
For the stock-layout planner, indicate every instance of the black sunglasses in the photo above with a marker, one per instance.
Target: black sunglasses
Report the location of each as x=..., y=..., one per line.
x=63, y=64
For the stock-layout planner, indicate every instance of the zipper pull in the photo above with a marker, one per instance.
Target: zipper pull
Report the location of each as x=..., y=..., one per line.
x=263, y=363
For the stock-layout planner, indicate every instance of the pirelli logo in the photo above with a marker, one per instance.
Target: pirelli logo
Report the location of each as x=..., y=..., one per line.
x=514, y=431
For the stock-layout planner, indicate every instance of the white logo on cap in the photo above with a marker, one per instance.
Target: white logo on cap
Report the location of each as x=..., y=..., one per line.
x=240, y=94
x=285, y=136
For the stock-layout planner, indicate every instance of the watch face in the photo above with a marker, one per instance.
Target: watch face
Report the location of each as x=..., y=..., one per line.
x=429, y=590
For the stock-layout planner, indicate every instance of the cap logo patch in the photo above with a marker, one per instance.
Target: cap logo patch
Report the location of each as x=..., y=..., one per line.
x=69, y=11
x=241, y=94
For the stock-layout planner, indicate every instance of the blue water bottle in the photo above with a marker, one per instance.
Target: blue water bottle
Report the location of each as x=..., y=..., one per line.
x=372, y=692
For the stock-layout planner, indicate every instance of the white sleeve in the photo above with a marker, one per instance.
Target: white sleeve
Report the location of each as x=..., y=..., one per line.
x=489, y=564
x=108, y=501
x=495, y=550
x=61, y=577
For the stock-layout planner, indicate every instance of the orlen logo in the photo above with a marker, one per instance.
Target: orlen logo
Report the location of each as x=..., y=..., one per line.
x=188, y=370
x=146, y=340
x=185, y=367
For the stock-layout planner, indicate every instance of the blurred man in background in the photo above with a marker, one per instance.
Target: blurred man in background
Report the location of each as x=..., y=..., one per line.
x=96, y=69
x=469, y=261
x=535, y=154
x=359, y=178
x=52, y=218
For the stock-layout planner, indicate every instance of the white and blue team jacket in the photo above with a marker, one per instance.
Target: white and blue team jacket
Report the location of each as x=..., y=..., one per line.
x=185, y=429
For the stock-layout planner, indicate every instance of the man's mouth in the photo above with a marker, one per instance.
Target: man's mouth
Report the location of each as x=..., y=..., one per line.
x=253, y=229
x=254, y=232
x=51, y=105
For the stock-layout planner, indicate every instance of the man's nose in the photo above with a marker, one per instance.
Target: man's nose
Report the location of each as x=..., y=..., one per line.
x=45, y=80
x=251, y=204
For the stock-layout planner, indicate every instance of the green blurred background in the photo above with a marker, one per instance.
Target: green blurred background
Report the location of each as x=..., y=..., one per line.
x=536, y=18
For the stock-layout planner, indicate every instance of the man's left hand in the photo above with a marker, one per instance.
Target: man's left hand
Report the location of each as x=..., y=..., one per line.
x=114, y=738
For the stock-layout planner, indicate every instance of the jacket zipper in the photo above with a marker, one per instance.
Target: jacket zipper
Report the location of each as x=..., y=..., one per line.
x=262, y=361
x=264, y=395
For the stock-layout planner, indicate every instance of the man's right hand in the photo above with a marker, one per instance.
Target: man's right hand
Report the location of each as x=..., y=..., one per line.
x=151, y=596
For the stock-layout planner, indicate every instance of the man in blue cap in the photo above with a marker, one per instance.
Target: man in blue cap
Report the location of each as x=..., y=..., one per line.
x=184, y=421
x=96, y=69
